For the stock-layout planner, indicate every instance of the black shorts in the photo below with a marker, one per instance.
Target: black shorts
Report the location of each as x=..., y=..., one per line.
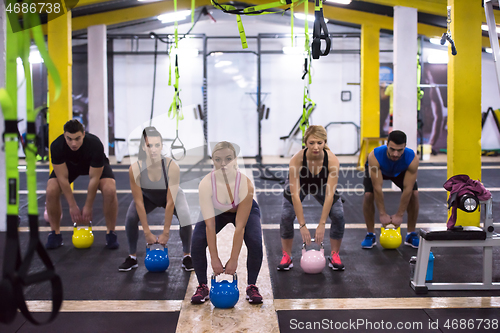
x=73, y=173
x=398, y=180
x=390, y=120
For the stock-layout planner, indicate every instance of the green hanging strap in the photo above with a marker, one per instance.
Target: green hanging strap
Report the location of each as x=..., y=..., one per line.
x=420, y=92
x=193, y=7
x=175, y=109
x=241, y=31
x=12, y=253
x=16, y=270
x=256, y=10
x=307, y=103
x=307, y=108
x=39, y=40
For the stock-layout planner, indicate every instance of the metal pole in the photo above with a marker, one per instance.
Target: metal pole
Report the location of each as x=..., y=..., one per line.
x=205, y=103
x=259, y=155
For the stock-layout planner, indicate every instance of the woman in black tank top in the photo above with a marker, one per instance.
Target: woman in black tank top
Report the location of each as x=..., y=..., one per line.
x=313, y=170
x=154, y=181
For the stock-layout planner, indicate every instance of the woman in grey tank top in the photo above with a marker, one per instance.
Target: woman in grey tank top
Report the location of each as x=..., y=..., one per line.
x=154, y=181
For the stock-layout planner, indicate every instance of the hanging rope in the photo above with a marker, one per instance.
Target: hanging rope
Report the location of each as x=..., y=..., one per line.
x=175, y=110
x=16, y=269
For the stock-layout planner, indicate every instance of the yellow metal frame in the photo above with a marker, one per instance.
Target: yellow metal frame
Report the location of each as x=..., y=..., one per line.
x=367, y=146
x=60, y=50
x=437, y=7
x=464, y=97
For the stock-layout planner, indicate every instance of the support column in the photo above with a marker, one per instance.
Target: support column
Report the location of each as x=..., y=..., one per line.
x=3, y=187
x=60, y=50
x=98, y=84
x=464, y=96
x=370, y=95
x=405, y=73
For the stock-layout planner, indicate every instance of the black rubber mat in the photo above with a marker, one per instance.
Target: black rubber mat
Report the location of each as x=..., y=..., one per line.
x=109, y=322
x=92, y=274
x=393, y=320
x=372, y=273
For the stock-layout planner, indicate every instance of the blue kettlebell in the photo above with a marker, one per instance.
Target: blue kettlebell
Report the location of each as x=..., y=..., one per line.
x=156, y=259
x=224, y=294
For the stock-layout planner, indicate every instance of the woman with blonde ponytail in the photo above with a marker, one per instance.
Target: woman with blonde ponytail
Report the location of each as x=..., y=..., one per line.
x=313, y=170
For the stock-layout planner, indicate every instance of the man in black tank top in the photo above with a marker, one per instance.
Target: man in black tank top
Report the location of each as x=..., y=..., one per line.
x=313, y=171
x=73, y=154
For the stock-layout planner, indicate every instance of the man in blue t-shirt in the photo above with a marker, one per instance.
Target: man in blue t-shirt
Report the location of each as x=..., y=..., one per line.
x=400, y=165
x=76, y=153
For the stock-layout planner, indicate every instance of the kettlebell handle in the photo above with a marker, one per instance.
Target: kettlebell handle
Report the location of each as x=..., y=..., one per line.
x=148, y=246
x=90, y=225
x=235, y=277
x=312, y=240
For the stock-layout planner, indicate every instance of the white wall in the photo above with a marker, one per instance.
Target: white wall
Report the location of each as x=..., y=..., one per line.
x=490, y=93
x=281, y=77
x=133, y=79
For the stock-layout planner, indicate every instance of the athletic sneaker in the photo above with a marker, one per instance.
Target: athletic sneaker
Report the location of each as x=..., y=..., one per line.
x=201, y=294
x=187, y=263
x=335, y=263
x=369, y=241
x=412, y=240
x=54, y=241
x=128, y=264
x=253, y=295
x=112, y=241
x=286, y=262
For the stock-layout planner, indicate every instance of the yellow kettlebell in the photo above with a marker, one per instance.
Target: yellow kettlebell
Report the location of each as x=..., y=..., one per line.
x=83, y=237
x=390, y=238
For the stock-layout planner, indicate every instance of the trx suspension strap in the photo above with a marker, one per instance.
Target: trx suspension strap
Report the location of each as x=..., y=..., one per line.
x=307, y=103
x=16, y=274
x=319, y=27
x=255, y=10
x=175, y=110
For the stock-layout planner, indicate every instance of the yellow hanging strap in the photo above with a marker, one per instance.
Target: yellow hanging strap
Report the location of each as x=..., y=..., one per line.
x=420, y=92
x=175, y=110
x=18, y=273
x=255, y=10
x=193, y=7
x=308, y=104
x=241, y=30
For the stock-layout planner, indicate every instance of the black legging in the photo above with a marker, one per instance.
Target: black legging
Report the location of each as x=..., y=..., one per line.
x=252, y=238
x=181, y=211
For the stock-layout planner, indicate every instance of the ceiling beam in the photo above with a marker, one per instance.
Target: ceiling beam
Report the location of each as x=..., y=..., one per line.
x=339, y=14
x=82, y=3
x=434, y=7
